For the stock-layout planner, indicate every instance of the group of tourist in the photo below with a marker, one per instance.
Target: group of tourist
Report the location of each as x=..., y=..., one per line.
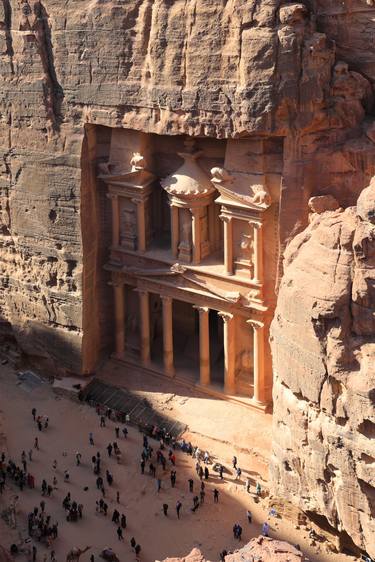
x=39, y=523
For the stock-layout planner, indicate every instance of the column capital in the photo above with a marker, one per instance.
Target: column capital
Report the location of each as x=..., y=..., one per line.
x=255, y=324
x=201, y=309
x=166, y=299
x=142, y=292
x=256, y=225
x=112, y=195
x=225, y=218
x=226, y=316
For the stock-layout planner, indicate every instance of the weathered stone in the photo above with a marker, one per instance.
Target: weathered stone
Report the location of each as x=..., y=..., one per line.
x=322, y=341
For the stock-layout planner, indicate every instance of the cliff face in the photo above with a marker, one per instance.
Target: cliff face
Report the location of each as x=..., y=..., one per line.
x=209, y=68
x=323, y=348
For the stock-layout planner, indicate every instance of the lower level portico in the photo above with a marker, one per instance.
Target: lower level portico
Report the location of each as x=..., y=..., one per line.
x=212, y=344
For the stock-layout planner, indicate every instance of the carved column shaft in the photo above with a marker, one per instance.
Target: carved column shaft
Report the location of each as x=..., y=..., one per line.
x=229, y=353
x=258, y=253
x=258, y=354
x=175, y=234
x=228, y=245
x=204, y=346
x=115, y=220
x=168, y=335
x=145, y=326
x=196, y=235
x=119, y=295
x=141, y=226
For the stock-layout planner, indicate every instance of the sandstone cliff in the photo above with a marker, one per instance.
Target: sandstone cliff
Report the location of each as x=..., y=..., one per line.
x=323, y=350
x=207, y=68
x=261, y=548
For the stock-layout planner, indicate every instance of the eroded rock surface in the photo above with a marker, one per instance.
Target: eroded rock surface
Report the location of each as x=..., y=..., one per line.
x=323, y=348
x=261, y=548
x=207, y=68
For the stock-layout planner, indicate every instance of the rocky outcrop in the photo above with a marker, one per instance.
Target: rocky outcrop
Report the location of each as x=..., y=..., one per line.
x=207, y=68
x=261, y=548
x=323, y=345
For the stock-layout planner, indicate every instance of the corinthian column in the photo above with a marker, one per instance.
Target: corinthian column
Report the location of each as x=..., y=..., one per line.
x=196, y=235
x=144, y=304
x=204, y=345
x=174, y=230
x=168, y=335
x=228, y=244
x=229, y=353
x=258, y=354
x=119, y=297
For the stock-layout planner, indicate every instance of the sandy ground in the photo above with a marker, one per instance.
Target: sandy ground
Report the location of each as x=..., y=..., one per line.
x=210, y=528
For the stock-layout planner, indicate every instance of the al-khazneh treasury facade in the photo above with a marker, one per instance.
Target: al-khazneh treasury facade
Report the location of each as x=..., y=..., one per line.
x=193, y=257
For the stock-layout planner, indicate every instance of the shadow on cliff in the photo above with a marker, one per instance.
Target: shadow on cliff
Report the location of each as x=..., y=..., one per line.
x=54, y=93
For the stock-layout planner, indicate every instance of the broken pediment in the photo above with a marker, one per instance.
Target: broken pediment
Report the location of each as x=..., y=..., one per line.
x=241, y=189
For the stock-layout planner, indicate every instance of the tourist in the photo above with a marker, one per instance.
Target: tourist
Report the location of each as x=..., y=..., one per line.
x=30, y=455
x=109, y=449
x=117, y=432
x=125, y=432
x=102, y=421
x=158, y=484
x=142, y=466
x=36, y=443
x=206, y=473
x=258, y=489
x=216, y=495
x=265, y=529
x=202, y=494
x=191, y=485
x=137, y=550
x=221, y=470
x=123, y=521
x=34, y=553
x=247, y=485
x=238, y=473
x=223, y=554
x=78, y=458
x=119, y=534
x=54, y=464
x=178, y=508
x=165, y=509
x=116, y=517
x=91, y=438
x=132, y=542
x=234, y=462
x=33, y=413
x=249, y=516
x=118, y=496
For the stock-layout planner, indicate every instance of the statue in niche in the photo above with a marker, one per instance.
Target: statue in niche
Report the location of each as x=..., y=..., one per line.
x=261, y=197
x=128, y=227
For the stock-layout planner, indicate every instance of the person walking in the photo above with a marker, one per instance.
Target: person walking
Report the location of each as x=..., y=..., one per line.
x=216, y=495
x=178, y=508
x=36, y=443
x=123, y=521
x=118, y=496
x=91, y=438
x=158, y=484
x=238, y=473
x=119, y=534
x=109, y=449
x=221, y=470
x=202, y=494
x=247, y=485
x=206, y=473
x=191, y=485
x=33, y=413
x=234, y=462
x=117, y=432
x=249, y=516
x=265, y=529
x=102, y=421
x=165, y=509
x=78, y=458
x=143, y=466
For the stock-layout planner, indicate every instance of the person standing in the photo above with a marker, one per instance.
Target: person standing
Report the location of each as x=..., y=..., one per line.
x=249, y=516
x=165, y=509
x=158, y=484
x=36, y=443
x=265, y=529
x=234, y=462
x=91, y=438
x=191, y=485
x=216, y=495
x=78, y=458
x=33, y=413
x=178, y=508
x=221, y=470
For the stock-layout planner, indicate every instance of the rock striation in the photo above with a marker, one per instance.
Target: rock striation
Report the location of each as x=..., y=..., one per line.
x=323, y=349
x=210, y=68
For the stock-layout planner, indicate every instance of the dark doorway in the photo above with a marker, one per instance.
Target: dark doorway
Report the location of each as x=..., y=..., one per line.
x=186, y=340
x=216, y=349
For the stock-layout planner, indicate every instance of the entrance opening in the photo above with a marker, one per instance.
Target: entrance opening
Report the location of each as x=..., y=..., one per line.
x=186, y=340
x=216, y=349
x=156, y=330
